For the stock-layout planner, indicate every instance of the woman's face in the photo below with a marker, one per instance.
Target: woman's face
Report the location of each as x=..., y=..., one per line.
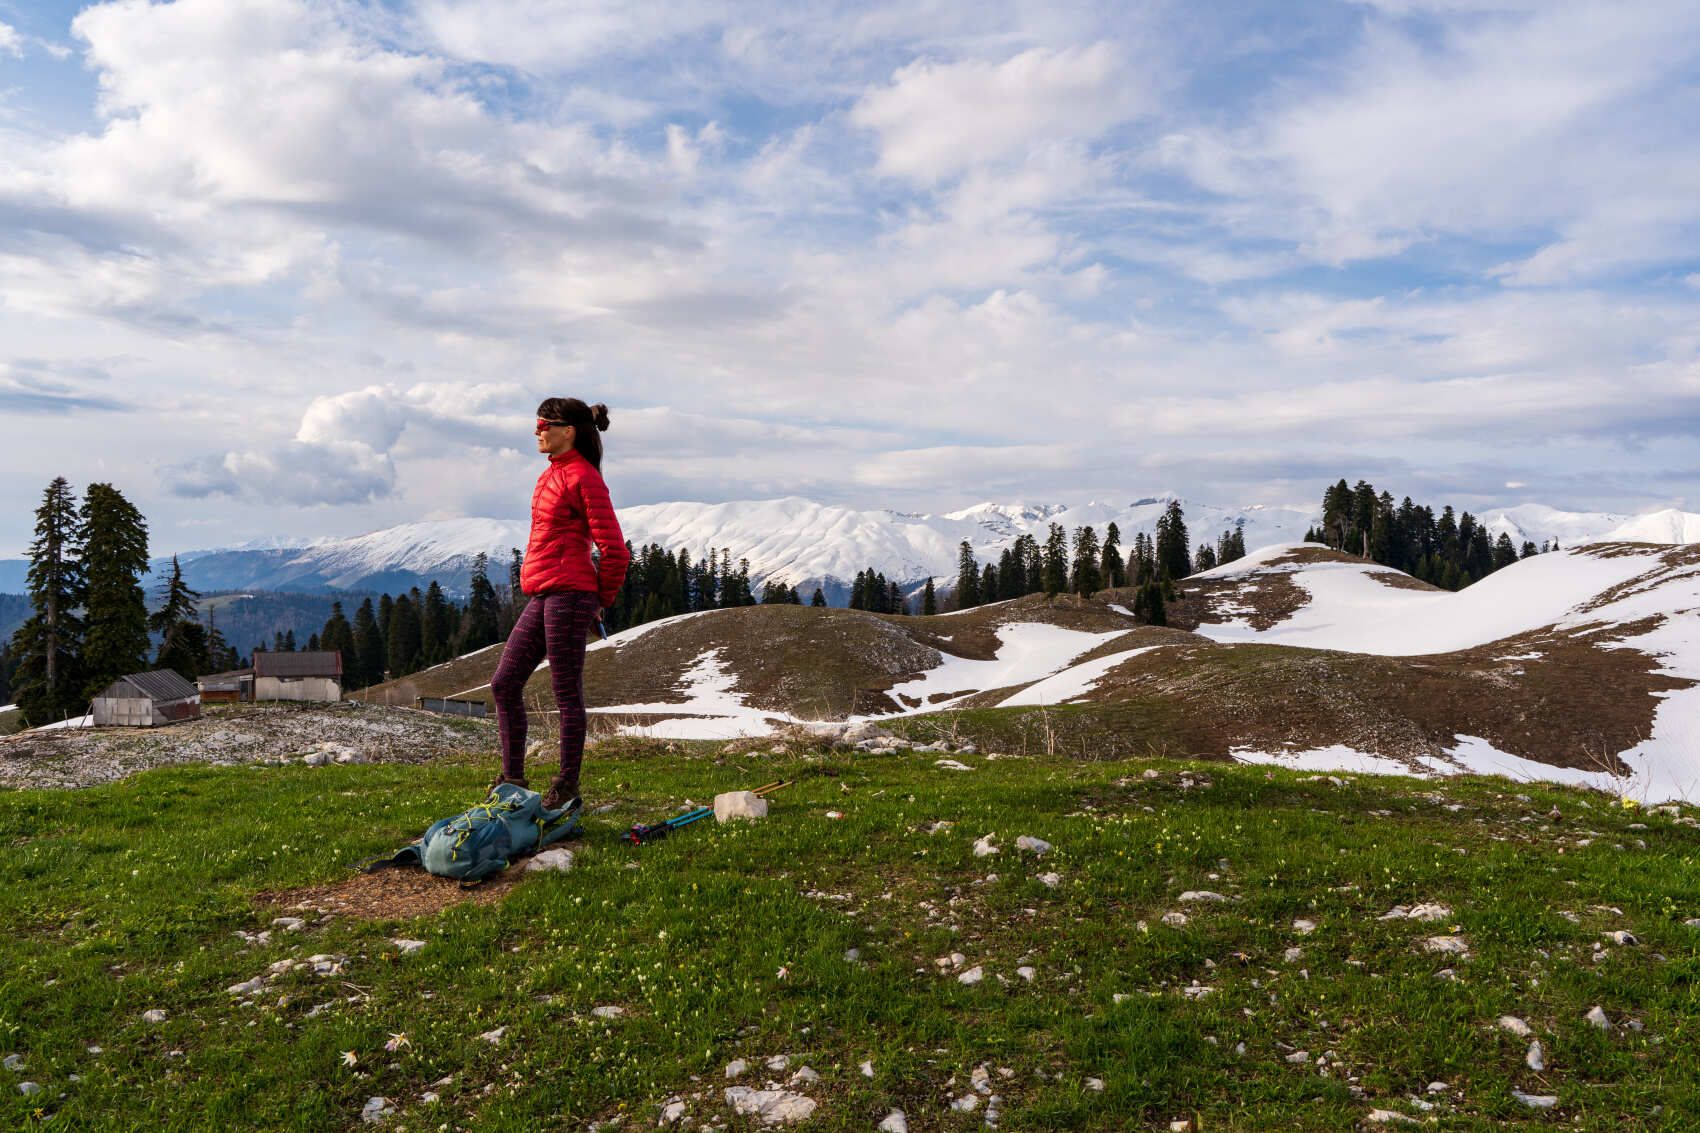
x=554, y=438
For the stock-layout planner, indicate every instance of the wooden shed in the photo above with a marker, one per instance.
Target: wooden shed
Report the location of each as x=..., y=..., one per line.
x=146, y=700
x=315, y=676
x=227, y=688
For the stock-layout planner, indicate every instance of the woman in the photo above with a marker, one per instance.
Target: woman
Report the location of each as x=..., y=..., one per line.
x=570, y=511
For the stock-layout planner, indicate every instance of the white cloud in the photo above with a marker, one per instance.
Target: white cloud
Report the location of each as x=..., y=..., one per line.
x=11, y=43
x=935, y=120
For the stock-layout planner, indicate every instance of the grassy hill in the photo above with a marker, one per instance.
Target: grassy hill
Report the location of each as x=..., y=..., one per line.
x=1205, y=943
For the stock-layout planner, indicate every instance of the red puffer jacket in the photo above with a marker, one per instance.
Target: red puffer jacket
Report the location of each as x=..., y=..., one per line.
x=570, y=510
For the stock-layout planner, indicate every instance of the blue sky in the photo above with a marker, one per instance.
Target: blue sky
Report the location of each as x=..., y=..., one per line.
x=281, y=267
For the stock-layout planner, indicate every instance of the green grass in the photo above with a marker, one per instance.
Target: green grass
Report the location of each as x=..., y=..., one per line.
x=129, y=897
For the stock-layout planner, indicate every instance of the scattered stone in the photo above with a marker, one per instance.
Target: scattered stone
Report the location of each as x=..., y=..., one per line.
x=14, y=1063
x=967, y=1103
x=983, y=847
x=1026, y=972
x=1293, y=954
x=1201, y=895
x=1424, y=912
x=895, y=1122
x=1037, y=846
x=1438, y=1087
x=1620, y=937
x=773, y=1107
x=1447, y=945
x=153, y=1016
x=739, y=804
x=778, y=1062
x=376, y=1111
x=1050, y=880
x=1536, y=1101
x=1096, y=1085
x=1196, y=990
x=1390, y=1117
x=951, y=765
x=736, y=1068
x=407, y=947
x=609, y=1011
x=558, y=860
x=494, y=1037
x=1304, y=926
x=804, y=1075
x=851, y=955
x=1597, y=1017
x=29, y=1089
x=248, y=987
x=1515, y=1026
x=972, y=976
x=672, y=1113
x=1449, y=974
x=288, y=924
x=1536, y=1058
x=867, y=1069
x=1299, y=1056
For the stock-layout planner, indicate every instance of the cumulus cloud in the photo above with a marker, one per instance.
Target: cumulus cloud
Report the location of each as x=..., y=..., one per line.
x=11, y=43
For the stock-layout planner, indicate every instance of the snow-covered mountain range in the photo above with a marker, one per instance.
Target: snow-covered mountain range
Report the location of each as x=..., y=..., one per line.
x=807, y=544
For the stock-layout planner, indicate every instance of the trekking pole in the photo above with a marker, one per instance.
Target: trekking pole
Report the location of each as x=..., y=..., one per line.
x=641, y=833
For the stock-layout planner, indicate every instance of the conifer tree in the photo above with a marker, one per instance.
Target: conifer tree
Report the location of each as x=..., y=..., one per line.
x=115, y=619
x=402, y=648
x=481, y=626
x=1173, y=551
x=386, y=609
x=436, y=627
x=221, y=658
x=1110, y=565
x=929, y=600
x=1086, y=578
x=1012, y=575
x=1054, y=574
x=1206, y=557
x=312, y=643
x=338, y=637
x=989, y=584
x=819, y=599
x=894, y=603
x=368, y=648
x=967, y=577
x=49, y=682
x=182, y=638
x=516, y=596
x=289, y=640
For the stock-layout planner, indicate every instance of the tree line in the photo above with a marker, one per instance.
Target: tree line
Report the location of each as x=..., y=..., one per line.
x=1450, y=550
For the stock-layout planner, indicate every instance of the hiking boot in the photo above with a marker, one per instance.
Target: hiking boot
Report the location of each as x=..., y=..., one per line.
x=562, y=794
x=500, y=779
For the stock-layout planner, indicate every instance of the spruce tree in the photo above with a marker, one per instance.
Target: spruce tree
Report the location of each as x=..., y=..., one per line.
x=1086, y=578
x=436, y=627
x=402, y=648
x=894, y=603
x=49, y=682
x=482, y=624
x=1206, y=557
x=338, y=636
x=221, y=658
x=386, y=609
x=1054, y=573
x=516, y=597
x=967, y=577
x=1110, y=564
x=819, y=599
x=989, y=584
x=115, y=619
x=182, y=638
x=929, y=600
x=1173, y=551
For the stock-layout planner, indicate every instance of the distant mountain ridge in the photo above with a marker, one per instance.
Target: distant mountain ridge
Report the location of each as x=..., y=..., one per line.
x=805, y=544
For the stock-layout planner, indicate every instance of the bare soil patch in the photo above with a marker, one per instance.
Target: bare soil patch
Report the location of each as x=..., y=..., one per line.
x=391, y=894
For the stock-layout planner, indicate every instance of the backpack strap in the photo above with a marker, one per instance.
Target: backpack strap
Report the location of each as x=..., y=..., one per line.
x=405, y=858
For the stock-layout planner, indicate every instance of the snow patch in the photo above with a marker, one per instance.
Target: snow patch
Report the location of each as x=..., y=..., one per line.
x=1027, y=652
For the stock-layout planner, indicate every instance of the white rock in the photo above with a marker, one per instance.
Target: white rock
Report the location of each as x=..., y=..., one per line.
x=1536, y=1101
x=952, y=765
x=1390, y=1117
x=863, y=730
x=1175, y=920
x=609, y=1011
x=1447, y=945
x=429, y=1097
x=154, y=1016
x=983, y=847
x=1428, y=912
x=1050, y=880
x=867, y=1069
x=1196, y=991
x=1515, y=1026
x=671, y=1113
x=1536, y=1058
x=376, y=1111
x=895, y=1122
x=1201, y=895
x=736, y=1068
x=1621, y=937
x=972, y=976
x=1036, y=845
x=319, y=759
x=558, y=860
x=1026, y=972
x=1095, y=1084
x=494, y=1037
x=1299, y=1056
x=248, y=987
x=288, y=924
x=772, y=1107
x=1293, y=954
x=407, y=947
x=1438, y=1087
x=739, y=804
x=804, y=1075
x=778, y=1062
x=29, y=1089
x=1304, y=927
x=1597, y=1016
x=967, y=1103
x=14, y=1063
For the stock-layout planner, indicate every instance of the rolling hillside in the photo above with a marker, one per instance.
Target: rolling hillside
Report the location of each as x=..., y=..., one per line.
x=1580, y=665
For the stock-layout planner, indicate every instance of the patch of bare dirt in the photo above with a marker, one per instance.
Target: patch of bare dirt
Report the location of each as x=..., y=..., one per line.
x=391, y=895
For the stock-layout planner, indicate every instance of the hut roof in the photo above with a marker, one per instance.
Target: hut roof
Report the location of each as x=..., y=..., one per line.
x=324, y=663
x=161, y=684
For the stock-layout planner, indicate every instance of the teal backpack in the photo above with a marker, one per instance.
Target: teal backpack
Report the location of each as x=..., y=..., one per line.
x=509, y=824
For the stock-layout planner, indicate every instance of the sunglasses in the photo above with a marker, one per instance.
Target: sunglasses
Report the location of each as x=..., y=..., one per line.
x=543, y=425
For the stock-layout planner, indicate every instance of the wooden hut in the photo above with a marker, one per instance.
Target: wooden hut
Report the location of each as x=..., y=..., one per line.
x=227, y=688
x=315, y=676
x=146, y=700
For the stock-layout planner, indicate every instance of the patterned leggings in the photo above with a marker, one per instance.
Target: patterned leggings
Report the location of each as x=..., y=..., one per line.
x=552, y=626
